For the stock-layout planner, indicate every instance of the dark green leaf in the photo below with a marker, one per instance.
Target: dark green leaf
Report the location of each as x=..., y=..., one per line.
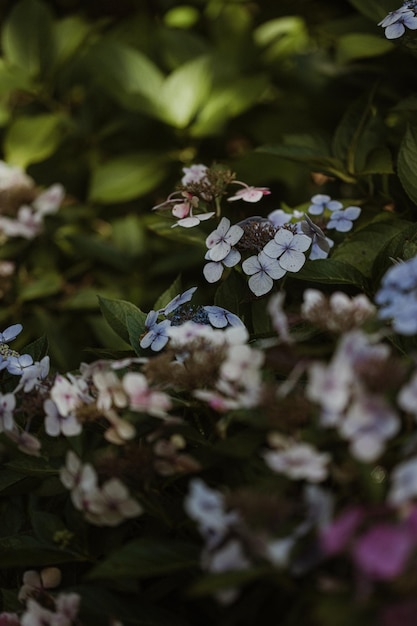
x=117, y=312
x=331, y=272
x=407, y=162
x=145, y=558
x=27, y=36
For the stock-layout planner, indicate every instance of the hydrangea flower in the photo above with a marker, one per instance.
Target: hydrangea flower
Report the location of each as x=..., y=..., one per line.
x=342, y=220
x=263, y=270
x=403, y=482
x=397, y=21
x=320, y=202
x=397, y=297
x=220, y=318
x=194, y=174
x=55, y=423
x=156, y=337
x=289, y=249
x=248, y=193
x=298, y=461
x=221, y=240
x=178, y=301
x=214, y=269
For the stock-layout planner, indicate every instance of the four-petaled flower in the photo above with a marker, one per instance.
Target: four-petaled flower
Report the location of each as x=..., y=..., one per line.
x=221, y=240
x=288, y=248
x=249, y=193
x=320, y=202
x=263, y=270
x=342, y=220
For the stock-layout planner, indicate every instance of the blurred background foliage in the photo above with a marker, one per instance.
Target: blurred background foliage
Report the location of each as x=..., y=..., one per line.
x=112, y=99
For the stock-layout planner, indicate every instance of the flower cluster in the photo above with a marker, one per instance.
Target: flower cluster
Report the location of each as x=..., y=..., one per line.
x=177, y=312
x=397, y=21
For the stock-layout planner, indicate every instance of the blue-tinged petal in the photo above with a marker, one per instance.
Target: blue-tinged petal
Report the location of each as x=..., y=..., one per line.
x=213, y=272
x=395, y=31
x=10, y=333
x=260, y=283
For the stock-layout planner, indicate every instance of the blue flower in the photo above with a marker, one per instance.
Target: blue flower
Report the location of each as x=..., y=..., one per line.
x=157, y=337
x=396, y=22
x=10, y=333
x=320, y=202
x=178, y=301
x=220, y=318
x=342, y=220
x=11, y=360
x=397, y=297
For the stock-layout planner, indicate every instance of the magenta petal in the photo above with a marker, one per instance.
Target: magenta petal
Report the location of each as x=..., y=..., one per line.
x=383, y=551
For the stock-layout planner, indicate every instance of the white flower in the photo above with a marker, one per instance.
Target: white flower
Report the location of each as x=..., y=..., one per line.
x=142, y=398
x=263, y=270
x=299, y=461
x=110, y=390
x=279, y=318
x=69, y=395
x=403, y=482
x=32, y=375
x=193, y=220
x=206, y=506
x=55, y=423
x=221, y=240
x=194, y=174
x=7, y=406
x=214, y=269
x=249, y=193
x=112, y=504
x=369, y=421
x=13, y=176
x=50, y=200
x=288, y=249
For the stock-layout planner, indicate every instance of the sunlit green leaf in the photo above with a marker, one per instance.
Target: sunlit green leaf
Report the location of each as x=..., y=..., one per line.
x=126, y=177
x=27, y=36
x=361, y=45
x=31, y=139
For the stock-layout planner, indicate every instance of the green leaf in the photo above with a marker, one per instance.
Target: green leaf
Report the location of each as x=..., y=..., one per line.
x=136, y=328
x=146, y=558
x=8, y=478
x=362, y=247
x=117, y=312
x=27, y=36
x=31, y=139
x=98, y=249
x=229, y=293
x=227, y=101
x=45, y=525
x=37, y=349
x=46, y=285
x=184, y=92
x=331, y=272
x=69, y=34
x=312, y=150
x=361, y=45
x=379, y=161
x=126, y=177
x=376, y=10
x=19, y=551
x=358, y=133
x=407, y=162
x=127, y=75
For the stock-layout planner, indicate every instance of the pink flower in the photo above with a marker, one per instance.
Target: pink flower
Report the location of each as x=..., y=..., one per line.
x=248, y=193
x=383, y=551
